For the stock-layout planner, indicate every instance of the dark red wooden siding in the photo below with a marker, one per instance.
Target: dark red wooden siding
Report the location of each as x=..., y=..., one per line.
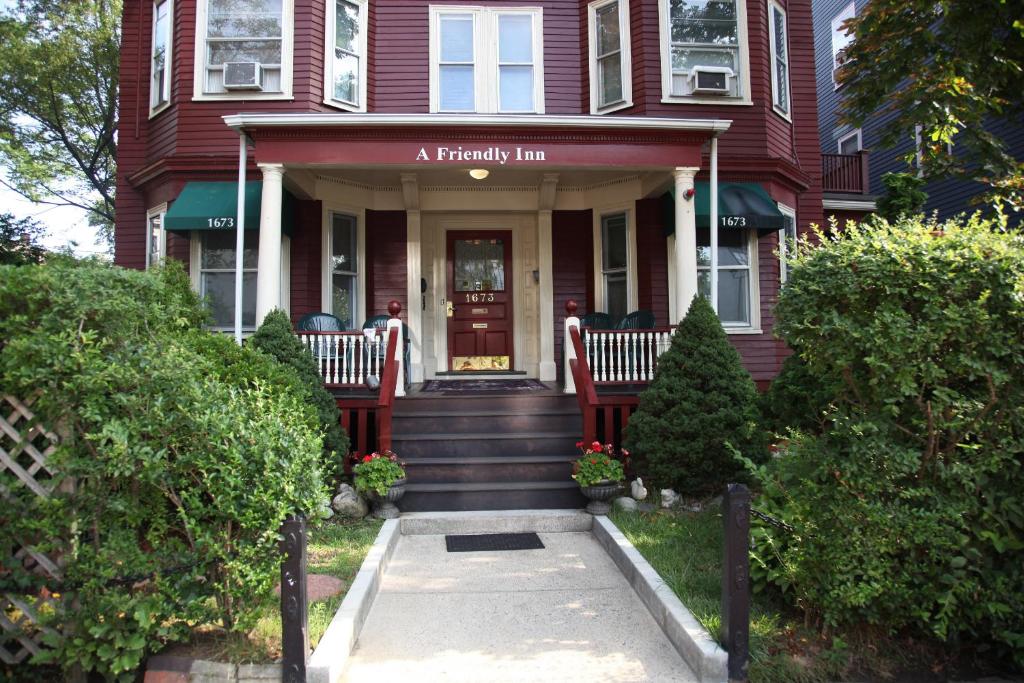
x=306, y=276
x=652, y=260
x=386, y=271
x=572, y=251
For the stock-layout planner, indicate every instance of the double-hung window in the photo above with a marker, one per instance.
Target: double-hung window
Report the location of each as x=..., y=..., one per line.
x=254, y=37
x=615, y=264
x=610, y=63
x=486, y=60
x=841, y=39
x=703, y=49
x=156, y=238
x=217, y=276
x=780, y=58
x=735, y=281
x=787, y=240
x=346, y=54
x=344, y=268
x=160, y=60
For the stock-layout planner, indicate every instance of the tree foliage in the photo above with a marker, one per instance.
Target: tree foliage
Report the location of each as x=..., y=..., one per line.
x=950, y=66
x=58, y=104
x=19, y=240
x=904, y=196
x=700, y=406
x=908, y=508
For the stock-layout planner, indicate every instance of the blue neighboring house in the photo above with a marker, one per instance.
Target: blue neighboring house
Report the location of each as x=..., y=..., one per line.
x=853, y=160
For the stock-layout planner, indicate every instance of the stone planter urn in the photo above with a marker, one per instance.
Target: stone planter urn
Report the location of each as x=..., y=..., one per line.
x=384, y=506
x=600, y=494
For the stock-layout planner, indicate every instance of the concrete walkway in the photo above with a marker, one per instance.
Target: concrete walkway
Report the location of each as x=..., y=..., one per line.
x=564, y=613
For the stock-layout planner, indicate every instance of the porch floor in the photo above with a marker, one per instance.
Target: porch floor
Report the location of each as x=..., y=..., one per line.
x=563, y=613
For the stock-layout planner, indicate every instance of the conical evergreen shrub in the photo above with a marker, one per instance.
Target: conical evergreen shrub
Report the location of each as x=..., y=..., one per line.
x=700, y=402
x=275, y=337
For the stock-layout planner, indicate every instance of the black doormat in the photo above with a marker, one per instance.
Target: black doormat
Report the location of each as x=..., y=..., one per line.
x=450, y=387
x=477, y=542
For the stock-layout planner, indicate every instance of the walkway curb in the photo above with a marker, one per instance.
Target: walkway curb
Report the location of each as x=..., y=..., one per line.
x=328, y=660
x=696, y=646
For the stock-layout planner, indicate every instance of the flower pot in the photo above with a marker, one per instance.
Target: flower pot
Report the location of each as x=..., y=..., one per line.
x=599, y=494
x=384, y=506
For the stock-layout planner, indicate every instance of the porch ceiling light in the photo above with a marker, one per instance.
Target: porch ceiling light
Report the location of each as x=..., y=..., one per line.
x=479, y=173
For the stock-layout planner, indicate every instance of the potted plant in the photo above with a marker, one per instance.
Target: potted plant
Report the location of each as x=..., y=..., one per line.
x=600, y=475
x=381, y=477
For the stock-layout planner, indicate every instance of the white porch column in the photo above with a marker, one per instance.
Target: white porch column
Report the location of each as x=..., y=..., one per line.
x=686, y=242
x=545, y=263
x=414, y=295
x=268, y=274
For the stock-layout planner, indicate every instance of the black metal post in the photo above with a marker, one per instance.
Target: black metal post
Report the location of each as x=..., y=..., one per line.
x=294, y=607
x=736, y=580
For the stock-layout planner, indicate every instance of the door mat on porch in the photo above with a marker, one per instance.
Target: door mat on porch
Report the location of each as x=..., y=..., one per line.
x=469, y=386
x=477, y=542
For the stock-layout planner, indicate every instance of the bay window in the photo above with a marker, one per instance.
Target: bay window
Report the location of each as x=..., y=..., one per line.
x=160, y=58
x=345, y=60
x=485, y=60
x=217, y=276
x=780, y=58
x=735, y=274
x=610, y=63
x=615, y=265
x=705, y=38
x=344, y=269
x=257, y=35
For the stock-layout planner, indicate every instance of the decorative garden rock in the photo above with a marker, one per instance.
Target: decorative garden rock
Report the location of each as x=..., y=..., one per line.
x=626, y=504
x=384, y=506
x=637, y=489
x=599, y=494
x=669, y=498
x=349, y=504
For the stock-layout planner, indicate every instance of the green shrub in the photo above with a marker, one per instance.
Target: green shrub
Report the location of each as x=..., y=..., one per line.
x=700, y=405
x=904, y=196
x=796, y=399
x=275, y=337
x=181, y=455
x=908, y=510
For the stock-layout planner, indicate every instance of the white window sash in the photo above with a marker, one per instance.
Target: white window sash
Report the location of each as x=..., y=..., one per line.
x=753, y=294
x=199, y=274
x=852, y=134
x=160, y=96
x=742, y=60
x=625, y=58
x=158, y=212
x=784, y=242
x=840, y=38
x=779, y=89
x=327, y=270
x=360, y=54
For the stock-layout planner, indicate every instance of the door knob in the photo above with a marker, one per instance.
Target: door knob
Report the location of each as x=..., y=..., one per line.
x=451, y=309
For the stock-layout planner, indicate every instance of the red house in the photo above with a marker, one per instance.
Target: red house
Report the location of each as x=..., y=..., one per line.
x=481, y=163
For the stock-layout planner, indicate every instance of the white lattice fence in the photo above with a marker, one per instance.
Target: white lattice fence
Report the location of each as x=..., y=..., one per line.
x=25, y=450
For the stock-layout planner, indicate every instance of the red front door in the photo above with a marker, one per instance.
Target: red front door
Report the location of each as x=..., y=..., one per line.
x=480, y=300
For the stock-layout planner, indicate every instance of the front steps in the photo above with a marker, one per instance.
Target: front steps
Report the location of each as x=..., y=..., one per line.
x=482, y=452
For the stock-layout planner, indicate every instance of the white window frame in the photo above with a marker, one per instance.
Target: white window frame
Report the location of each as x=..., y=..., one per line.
x=196, y=271
x=485, y=57
x=848, y=12
x=600, y=296
x=332, y=24
x=156, y=106
x=743, y=93
x=783, y=109
x=287, y=52
x=625, y=57
x=784, y=240
x=855, y=133
x=160, y=213
x=754, y=289
x=327, y=251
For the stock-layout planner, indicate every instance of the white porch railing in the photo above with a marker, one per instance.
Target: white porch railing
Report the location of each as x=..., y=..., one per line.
x=346, y=358
x=624, y=356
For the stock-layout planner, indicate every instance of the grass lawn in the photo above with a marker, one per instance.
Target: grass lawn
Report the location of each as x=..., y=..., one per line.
x=333, y=548
x=685, y=549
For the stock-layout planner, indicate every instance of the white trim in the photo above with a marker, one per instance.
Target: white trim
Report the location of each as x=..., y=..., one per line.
x=665, y=28
x=327, y=120
x=287, y=62
x=326, y=250
x=160, y=212
x=625, y=57
x=774, y=6
x=486, y=69
x=843, y=138
x=783, y=264
x=156, y=108
x=600, y=295
x=329, y=40
x=847, y=12
x=754, y=286
x=849, y=204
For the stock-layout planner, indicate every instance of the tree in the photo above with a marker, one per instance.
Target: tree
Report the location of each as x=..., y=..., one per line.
x=58, y=105
x=19, y=240
x=904, y=196
x=951, y=67
x=700, y=407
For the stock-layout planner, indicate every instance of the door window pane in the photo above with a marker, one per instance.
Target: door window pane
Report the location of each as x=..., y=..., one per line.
x=479, y=265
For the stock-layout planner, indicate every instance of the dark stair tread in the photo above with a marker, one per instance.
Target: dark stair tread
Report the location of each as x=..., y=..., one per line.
x=477, y=436
x=491, y=486
x=493, y=460
x=539, y=412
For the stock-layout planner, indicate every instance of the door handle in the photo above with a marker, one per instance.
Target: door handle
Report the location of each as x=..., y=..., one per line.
x=450, y=309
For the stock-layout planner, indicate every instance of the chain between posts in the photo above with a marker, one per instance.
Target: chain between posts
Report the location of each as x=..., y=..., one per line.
x=774, y=521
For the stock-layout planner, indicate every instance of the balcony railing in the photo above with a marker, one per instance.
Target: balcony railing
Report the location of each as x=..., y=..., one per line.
x=845, y=173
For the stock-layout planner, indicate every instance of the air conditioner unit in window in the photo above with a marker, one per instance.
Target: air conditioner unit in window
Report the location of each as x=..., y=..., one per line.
x=711, y=80
x=243, y=76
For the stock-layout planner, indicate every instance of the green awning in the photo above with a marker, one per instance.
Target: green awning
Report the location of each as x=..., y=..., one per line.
x=213, y=206
x=743, y=206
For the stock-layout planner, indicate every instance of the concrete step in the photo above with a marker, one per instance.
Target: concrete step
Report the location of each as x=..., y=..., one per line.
x=485, y=469
x=495, y=522
x=505, y=495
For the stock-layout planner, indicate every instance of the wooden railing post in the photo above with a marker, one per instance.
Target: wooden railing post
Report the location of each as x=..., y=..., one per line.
x=736, y=580
x=394, y=308
x=865, y=175
x=569, y=351
x=294, y=607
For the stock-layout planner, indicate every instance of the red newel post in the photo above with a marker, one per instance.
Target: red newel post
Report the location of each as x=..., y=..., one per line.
x=394, y=308
x=571, y=307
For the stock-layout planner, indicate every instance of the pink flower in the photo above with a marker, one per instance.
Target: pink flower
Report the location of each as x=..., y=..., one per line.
x=579, y=444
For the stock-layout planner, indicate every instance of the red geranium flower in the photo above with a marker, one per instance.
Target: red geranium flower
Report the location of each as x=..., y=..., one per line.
x=593, y=461
x=579, y=444
x=596, y=445
x=367, y=458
